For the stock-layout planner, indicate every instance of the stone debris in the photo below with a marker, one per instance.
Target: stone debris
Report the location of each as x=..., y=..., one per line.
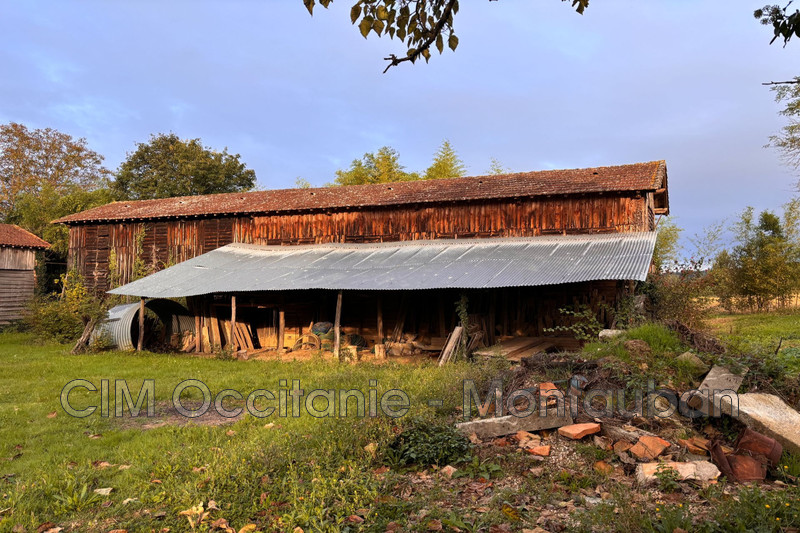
x=608, y=334
x=768, y=414
x=713, y=387
x=508, y=425
x=448, y=471
x=693, y=361
x=694, y=471
x=578, y=431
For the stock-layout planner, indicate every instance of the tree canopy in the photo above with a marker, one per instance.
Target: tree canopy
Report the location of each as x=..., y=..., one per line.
x=446, y=164
x=787, y=141
x=32, y=160
x=418, y=24
x=168, y=166
x=785, y=23
x=382, y=166
x=764, y=265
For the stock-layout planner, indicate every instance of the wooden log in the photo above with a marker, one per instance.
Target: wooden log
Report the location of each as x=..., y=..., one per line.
x=380, y=320
x=380, y=351
x=397, y=333
x=231, y=337
x=336, y=326
x=140, y=344
x=281, y=330
x=215, y=329
x=450, y=347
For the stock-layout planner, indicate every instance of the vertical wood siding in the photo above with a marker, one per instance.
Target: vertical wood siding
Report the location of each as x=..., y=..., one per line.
x=105, y=253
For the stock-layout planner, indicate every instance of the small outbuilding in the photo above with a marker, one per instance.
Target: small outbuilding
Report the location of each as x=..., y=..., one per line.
x=17, y=263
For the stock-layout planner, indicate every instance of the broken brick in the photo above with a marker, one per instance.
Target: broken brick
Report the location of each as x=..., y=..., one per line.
x=649, y=447
x=541, y=451
x=578, y=431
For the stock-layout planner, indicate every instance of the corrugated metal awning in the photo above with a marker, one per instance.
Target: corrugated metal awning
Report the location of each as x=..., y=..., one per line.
x=408, y=265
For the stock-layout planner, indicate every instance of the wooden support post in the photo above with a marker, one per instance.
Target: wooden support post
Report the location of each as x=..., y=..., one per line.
x=336, y=326
x=140, y=344
x=231, y=334
x=281, y=329
x=380, y=320
x=442, y=323
x=198, y=333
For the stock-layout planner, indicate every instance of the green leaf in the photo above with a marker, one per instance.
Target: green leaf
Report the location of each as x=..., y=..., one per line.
x=365, y=26
x=452, y=42
x=355, y=12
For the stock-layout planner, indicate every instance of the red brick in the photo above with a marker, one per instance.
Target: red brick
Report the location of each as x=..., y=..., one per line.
x=578, y=431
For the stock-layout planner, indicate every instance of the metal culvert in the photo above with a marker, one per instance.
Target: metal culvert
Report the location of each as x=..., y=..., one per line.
x=121, y=327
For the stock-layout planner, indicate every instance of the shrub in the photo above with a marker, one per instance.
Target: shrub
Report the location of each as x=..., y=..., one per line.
x=63, y=318
x=680, y=294
x=429, y=444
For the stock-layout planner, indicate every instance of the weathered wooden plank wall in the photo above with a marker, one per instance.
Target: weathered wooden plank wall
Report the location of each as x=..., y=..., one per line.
x=106, y=253
x=16, y=289
x=17, y=259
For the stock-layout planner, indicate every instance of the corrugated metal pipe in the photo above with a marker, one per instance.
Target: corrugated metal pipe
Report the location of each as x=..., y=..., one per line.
x=121, y=327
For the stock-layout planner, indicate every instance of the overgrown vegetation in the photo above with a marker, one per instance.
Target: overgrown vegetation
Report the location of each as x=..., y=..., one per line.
x=62, y=317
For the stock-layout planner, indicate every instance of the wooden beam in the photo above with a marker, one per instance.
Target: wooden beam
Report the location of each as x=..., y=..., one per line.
x=231, y=331
x=197, y=329
x=140, y=344
x=380, y=320
x=281, y=329
x=336, y=326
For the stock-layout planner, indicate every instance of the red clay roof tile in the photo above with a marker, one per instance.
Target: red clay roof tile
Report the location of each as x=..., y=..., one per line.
x=14, y=236
x=633, y=177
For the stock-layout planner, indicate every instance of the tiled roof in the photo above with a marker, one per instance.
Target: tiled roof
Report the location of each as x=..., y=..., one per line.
x=633, y=177
x=11, y=235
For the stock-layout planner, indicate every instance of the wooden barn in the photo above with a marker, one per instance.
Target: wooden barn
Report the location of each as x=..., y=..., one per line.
x=17, y=263
x=518, y=247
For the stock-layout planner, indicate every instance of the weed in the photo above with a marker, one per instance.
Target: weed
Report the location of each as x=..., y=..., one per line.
x=425, y=443
x=478, y=468
x=76, y=497
x=667, y=478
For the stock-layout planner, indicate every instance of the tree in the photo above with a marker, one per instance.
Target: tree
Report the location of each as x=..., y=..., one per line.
x=446, y=164
x=419, y=24
x=785, y=24
x=39, y=159
x=497, y=168
x=168, y=166
x=381, y=167
x=787, y=142
x=763, y=267
x=667, y=249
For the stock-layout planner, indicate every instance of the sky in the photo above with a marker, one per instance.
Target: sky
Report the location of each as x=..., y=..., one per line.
x=532, y=84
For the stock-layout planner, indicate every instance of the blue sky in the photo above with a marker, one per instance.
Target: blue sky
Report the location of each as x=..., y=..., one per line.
x=532, y=84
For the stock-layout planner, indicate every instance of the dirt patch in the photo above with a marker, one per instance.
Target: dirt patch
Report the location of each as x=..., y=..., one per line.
x=167, y=415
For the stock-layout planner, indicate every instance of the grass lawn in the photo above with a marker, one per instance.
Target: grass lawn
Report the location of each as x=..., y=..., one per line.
x=307, y=472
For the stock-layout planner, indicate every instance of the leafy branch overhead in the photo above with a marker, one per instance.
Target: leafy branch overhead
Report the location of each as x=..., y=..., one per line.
x=419, y=24
x=784, y=23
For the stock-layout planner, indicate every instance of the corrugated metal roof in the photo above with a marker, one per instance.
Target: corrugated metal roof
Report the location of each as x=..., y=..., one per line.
x=408, y=265
x=620, y=178
x=14, y=236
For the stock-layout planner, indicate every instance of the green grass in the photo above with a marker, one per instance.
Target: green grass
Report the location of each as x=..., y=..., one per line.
x=307, y=472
